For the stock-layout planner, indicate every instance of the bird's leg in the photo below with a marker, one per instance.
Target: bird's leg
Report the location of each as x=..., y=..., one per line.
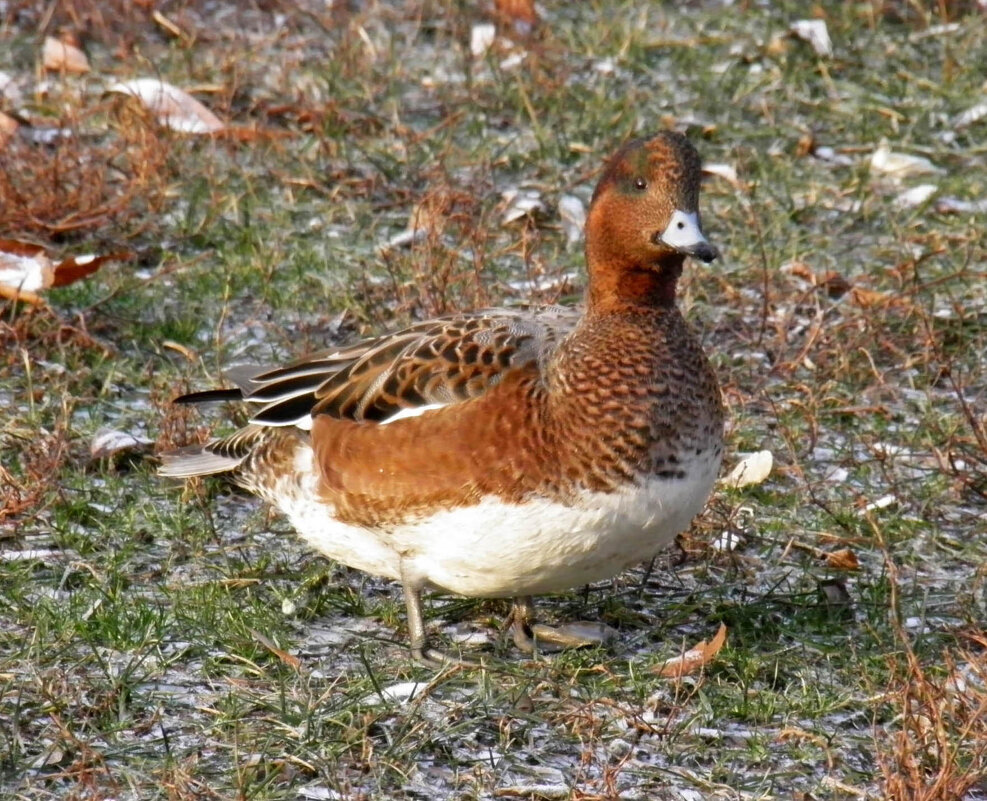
x=529, y=634
x=420, y=650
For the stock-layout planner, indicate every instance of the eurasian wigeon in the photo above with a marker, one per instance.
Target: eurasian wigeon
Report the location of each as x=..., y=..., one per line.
x=505, y=452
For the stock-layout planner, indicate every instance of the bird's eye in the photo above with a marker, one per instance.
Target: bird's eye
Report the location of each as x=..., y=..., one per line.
x=640, y=183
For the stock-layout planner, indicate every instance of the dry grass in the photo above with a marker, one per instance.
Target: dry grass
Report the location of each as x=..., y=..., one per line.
x=935, y=746
x=83, y=183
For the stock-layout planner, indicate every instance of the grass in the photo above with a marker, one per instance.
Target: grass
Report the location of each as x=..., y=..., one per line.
x=166, y=643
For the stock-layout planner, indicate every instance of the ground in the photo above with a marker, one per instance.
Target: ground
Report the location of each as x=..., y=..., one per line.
x=168, y=642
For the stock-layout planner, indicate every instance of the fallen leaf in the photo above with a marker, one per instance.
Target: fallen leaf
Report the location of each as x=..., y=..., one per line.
x=190, y=355
x=843, y=559
x=835, y=284
x=777, y=46
x=971, y=115
x=952, y=205
x=806, y=144
x=9, y=90
x=815, y=32
x=8, y=127
x=53, y=755
x=62, y=57
x=108, y=442
x=869, y=298
x=915, y=196
x=519, y=14
x=573, y=215
x=800, y=270
x=752, y=469
x=695, y=658
x=170, y=26
x=835, y=595
x=24, y=266
x=900, y=165
x=400, y=693
x=26, y=269
x=75, y=268
x=290, y=660
x=10, y=293
x=725, y=171
x=482, y=37
x=726, y=542
x=171, y=106
x=521, y=203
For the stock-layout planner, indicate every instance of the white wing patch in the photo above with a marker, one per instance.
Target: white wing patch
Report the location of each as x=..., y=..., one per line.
x=413, y=411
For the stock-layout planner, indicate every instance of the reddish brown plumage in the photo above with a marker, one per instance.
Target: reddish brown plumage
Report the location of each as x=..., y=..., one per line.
x=611, y=408
x=538, y=406
x=625, y=267
x=550, y=411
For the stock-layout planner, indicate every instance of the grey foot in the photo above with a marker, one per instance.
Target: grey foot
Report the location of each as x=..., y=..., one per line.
x=436, y=658
x=421, y=651
x=529, y=635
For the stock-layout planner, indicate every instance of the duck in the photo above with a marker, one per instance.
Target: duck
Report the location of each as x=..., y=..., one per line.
x=507, y=452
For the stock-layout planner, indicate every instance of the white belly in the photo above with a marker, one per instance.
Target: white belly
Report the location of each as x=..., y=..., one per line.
x=496, y=549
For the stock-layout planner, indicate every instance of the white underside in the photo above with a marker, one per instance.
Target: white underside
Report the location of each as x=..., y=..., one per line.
x=497, y=549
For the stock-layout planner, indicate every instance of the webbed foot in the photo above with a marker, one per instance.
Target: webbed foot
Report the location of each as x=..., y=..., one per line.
x=530, y=635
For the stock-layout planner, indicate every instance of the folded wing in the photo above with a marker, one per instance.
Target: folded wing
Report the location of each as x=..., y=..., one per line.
x=427, y=365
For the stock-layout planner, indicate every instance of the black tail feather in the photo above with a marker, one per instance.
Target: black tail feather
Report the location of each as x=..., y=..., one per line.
x=210, y=396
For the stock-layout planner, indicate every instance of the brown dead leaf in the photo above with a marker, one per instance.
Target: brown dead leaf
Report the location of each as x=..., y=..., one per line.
x=171, y=27
x=806, y=145
x=519, y=14
x=8, y=127
x=800, y=270
x=777, y=47
x=836, y=285
x=251, y=133
x=76, y=268
x=871, y=298
x=843, y=559
x=61, y=57
x=20, y=247
x=189, y=354
x=26, y=269
x=289, y=659
x=835, y=596
x=10, y=293
x=695, y=658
